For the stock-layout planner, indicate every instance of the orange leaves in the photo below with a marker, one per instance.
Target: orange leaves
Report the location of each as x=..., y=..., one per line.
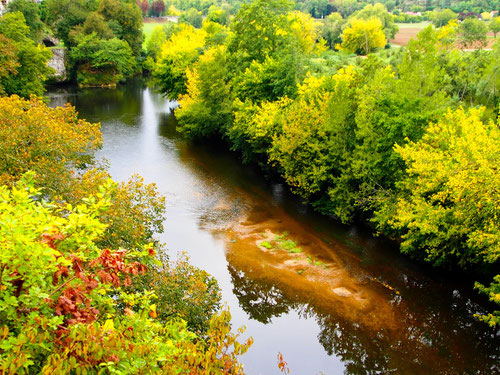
x=282, y=365
x=153, y=313
x=75, y=303
x=113, y=263
x=75, y=298
x=51, y=238
x=62, y=273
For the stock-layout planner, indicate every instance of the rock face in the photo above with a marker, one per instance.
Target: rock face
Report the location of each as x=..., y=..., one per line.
x=50, y=41
x=58, y=62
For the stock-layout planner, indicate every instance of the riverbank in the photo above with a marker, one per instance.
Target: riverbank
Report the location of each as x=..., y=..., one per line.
x=370, y=308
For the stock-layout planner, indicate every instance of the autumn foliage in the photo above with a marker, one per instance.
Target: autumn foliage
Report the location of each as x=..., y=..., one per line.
x=64, y=301
x=84, y=285
x=50, y=142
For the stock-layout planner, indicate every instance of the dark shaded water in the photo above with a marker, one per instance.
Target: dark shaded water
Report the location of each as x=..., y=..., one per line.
x=366, y=311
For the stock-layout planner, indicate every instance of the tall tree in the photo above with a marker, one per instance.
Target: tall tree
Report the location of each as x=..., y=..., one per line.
x=379, y=11
x=125, y=20
x=29, y=75
x=473, y=33
x=259, y=30
x=31, y=12
x=363, y=36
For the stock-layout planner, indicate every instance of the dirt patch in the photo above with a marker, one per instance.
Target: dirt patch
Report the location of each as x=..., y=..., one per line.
x=404, y=35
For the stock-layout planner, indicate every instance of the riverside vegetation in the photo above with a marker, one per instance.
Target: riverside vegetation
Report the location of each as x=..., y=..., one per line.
x=84, y=285
x=407, y=140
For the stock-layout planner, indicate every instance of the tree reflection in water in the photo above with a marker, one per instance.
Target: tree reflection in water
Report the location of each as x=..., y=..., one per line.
x=261, y=301
x=430, y=343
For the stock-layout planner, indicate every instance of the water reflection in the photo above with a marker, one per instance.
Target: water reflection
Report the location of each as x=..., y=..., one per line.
x=421, y=347
x=261, y=301
x=433, y=329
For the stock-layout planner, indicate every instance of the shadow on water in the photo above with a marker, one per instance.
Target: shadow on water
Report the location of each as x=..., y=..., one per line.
x=368, y=309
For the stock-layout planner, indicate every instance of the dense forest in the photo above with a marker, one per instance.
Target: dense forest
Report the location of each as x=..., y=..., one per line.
x=404, y=139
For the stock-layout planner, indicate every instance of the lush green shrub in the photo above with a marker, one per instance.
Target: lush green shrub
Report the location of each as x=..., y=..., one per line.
x=102, y=62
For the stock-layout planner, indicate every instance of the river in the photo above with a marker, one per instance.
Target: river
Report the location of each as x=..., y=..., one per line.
x=331, y=298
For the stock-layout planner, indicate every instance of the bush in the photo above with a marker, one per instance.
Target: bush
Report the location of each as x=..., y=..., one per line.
x=64, y=306
x=102, y=62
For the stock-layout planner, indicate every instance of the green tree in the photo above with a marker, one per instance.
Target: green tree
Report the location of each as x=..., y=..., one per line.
x=441, y=18
x=219, y=15
x=346, y=7
x=363, y=36
x=259, y=30
x=379, y=11
x=155, y=42
x=64, y=15
x=205, y=111
x=494, y=25
x=192, y=17
x=30, y=10
x=331, y=30
x=8, y=60
x=31, y=59
x=317, y=8
x=473, y=33
x=125, y=19
x=96, y=23
x=101, y=61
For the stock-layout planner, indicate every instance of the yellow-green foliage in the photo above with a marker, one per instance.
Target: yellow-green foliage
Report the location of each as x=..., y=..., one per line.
x=493, y=292
x=309, y=148
x=74, y=290
x=452, y=209
x=307, y=30
x=302, y=122
x=206, y=108
x=64, y=306
x=50, y=142
x=255, y=126
x=363, y=36
x=24, y=64
x=56, y=145
x=176, y=55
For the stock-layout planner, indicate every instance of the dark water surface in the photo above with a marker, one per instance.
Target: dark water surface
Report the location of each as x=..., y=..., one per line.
x=348, y=304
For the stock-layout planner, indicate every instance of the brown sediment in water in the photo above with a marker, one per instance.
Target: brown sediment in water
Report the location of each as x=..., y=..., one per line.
x=314, y=271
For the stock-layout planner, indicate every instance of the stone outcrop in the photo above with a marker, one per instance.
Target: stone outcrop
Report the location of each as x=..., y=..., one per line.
x=58, y=62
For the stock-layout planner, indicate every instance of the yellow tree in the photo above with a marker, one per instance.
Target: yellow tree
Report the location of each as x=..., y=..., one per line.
x=449, y=208
x=363, y=36
x=176, y=55
x=452, y=206
x=307, y=30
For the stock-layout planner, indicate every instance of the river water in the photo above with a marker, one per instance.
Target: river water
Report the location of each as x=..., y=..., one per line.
x=331, y=298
